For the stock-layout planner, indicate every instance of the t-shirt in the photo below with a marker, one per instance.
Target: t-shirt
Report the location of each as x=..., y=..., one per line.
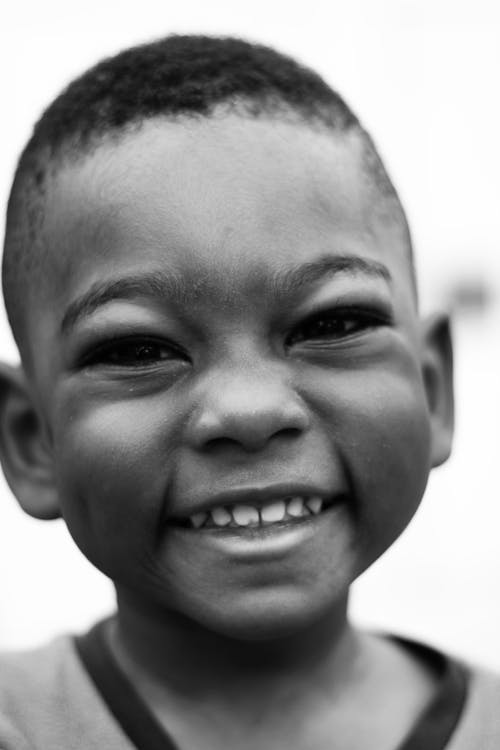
x=72, y=695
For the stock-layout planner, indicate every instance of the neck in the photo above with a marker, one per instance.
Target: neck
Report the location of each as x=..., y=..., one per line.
x=167, y=649
x=300, y=690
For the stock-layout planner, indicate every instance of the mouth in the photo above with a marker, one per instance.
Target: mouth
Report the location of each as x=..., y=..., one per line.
x=274, y=512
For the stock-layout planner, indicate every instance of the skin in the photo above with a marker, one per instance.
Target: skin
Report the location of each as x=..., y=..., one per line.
x=227, y=387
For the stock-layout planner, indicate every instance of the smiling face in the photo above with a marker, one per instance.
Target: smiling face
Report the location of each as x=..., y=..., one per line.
x=230, y=323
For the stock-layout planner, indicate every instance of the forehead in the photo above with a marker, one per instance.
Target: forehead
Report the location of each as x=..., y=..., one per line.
x=231, y=193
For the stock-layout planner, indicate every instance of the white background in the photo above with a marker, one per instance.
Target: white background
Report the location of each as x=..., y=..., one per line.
x=424, y=78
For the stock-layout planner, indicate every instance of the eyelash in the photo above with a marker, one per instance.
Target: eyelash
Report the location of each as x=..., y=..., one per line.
x=105, y=354
x=327, y=323
x=111, y=353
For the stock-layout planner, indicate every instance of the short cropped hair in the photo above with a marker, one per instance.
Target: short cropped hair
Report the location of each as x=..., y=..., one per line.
x=174, y=77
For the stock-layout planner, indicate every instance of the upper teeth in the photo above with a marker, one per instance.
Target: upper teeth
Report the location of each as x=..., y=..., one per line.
x=250, y=515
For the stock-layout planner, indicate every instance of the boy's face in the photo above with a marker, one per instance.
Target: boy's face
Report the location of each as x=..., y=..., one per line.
x=230, y=321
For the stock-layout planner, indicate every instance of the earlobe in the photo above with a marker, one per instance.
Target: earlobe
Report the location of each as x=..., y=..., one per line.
x=24, y=453
x=437, y=370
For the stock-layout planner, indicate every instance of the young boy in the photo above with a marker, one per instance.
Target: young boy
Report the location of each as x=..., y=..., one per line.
x=228, y=395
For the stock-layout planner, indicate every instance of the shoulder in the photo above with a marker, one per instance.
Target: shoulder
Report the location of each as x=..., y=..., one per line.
x=467, y=701
x=48, y=700
x=479, y=725
x=32, y=684
x=23, y=684
x=40, y=673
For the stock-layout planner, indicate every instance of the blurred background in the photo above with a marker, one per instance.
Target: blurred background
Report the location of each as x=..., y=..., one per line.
x=424, y=77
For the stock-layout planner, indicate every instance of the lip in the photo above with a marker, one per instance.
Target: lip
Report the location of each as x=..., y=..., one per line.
x=256, y=496
x=275, y=543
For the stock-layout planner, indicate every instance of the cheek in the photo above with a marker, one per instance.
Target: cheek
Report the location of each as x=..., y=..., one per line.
x=112, y=471
x=379, y=426
x=388, y=456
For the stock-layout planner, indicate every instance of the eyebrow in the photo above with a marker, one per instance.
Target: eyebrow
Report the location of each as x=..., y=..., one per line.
x=294, y=279
x=162, y=285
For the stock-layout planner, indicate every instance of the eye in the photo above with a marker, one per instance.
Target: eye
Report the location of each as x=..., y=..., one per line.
x=336, y=324
x=135, y=352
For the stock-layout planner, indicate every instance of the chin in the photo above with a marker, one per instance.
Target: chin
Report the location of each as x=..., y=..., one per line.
x=267, y=616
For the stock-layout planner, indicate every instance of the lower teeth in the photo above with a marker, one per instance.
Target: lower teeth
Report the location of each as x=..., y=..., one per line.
x=209, y=524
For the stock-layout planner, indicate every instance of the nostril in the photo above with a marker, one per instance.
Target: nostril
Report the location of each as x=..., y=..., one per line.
x=221, y=443
x=288, y=432
x=251, y=441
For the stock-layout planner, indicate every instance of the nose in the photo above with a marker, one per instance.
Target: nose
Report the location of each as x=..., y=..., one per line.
x=247, y=409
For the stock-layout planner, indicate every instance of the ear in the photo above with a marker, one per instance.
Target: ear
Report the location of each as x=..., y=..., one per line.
x=24, y=450
x=437, y=370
